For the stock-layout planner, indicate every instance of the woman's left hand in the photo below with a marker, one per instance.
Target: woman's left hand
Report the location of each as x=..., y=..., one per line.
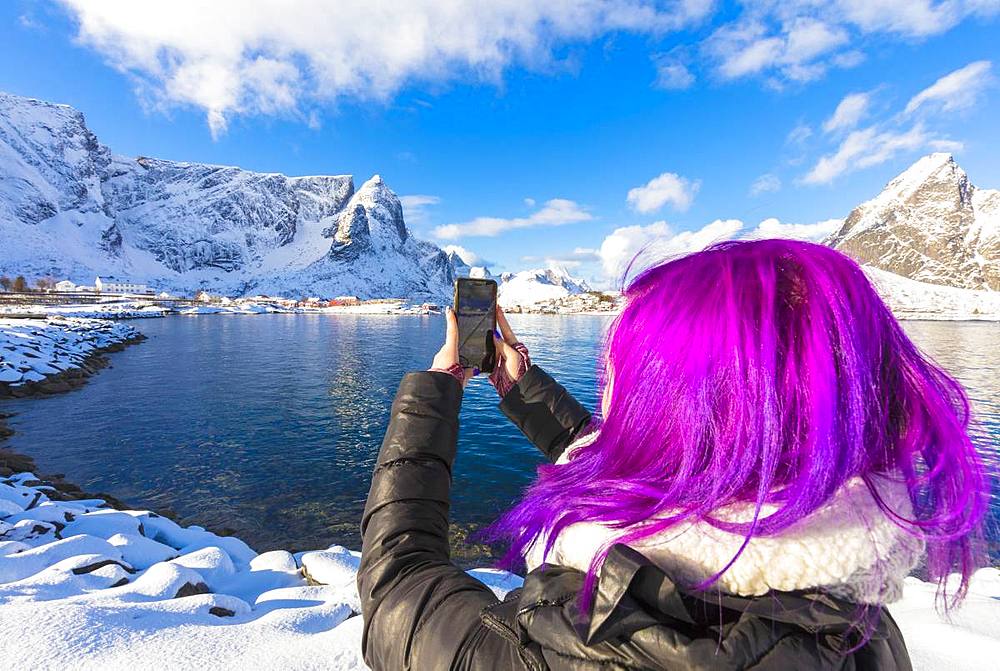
x=446, y=360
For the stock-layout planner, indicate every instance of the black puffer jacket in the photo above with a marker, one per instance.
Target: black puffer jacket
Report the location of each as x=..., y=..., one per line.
x=422, y=612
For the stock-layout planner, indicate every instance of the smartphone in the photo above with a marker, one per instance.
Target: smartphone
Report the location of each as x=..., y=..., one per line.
x=476, y=310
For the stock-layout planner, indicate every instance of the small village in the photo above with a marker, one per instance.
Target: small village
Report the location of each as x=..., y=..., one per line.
x=18, y=295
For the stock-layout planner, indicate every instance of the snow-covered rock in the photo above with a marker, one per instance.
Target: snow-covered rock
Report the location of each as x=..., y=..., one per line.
x=110, y=310
x=141, y=552
x=531, y=286
x=71, y=208
x=130, y=602
x=31, y=349
x=929, y=224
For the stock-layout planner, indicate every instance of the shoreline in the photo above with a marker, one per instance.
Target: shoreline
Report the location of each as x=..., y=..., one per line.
x=71, y=378
x=466, y=552
x=13, y=462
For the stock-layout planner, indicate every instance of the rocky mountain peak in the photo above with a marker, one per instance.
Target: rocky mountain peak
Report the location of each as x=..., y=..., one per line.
x=930, y=224
x=934, y=175
x=372, y=219
x=72, y=209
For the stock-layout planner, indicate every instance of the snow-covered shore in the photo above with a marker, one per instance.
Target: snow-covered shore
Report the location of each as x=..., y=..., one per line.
x=139, y=309
x=90, y=587
x=117, y=310
x=34, y=350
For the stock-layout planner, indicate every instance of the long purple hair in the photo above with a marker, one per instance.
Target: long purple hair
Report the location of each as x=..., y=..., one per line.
x=768, y=372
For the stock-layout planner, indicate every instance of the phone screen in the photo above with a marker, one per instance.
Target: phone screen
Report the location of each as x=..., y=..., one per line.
x=476, y=310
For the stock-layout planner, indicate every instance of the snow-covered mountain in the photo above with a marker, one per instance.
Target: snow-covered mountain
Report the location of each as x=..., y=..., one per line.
x=910, y=299
x=929, y=224
x=464, y=269
x=531, y=286
x=71, y=208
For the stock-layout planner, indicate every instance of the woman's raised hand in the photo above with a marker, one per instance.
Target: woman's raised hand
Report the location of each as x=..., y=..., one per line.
x=512, y=357
x=446, y=360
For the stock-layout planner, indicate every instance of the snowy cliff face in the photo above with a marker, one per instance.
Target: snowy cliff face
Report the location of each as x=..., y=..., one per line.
x=929, y=224
x=50, y=162
x=70, y=208
x=531, y=286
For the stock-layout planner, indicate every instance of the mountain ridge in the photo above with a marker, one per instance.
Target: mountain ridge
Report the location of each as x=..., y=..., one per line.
x=70, y=207
x=929, y=224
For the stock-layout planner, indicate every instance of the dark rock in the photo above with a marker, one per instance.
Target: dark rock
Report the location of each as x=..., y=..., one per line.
x=90, y=568
x=219, y=611
x=55, y=387
x=189, y=589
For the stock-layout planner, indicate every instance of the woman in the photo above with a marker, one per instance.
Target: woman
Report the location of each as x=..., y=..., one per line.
x=775, y=457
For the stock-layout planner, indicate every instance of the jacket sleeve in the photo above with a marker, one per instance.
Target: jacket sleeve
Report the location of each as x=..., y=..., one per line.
x=420, y=610
x=545, y=412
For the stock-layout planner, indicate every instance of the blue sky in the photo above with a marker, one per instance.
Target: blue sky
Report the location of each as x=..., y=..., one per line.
x=574, y=132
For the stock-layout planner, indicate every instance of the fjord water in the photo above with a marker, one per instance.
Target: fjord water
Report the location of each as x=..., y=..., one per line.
x=269, y=425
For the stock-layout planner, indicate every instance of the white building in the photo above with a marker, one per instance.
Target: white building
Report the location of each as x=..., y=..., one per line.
x=65, y=287
x=115, y=285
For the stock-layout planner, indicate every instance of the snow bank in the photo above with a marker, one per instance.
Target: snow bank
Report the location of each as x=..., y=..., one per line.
x=123, y=310
x=32, y=349
x=94, y=588
x=909, y=299
x=85, y=586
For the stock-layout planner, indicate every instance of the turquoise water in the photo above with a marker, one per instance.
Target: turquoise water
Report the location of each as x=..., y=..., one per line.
x=269, y=425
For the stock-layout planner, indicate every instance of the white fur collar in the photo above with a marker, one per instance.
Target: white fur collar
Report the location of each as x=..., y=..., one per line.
x=848, y=547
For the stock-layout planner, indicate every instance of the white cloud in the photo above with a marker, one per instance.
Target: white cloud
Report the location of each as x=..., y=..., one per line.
x=673, y=76
x=865, y=148
x=635, y=248
x=648, y=245
x=415, y=206
x=798, y=135
x=246, y=57
x=911, y=18
x=743, y=50
x=766, y=183
x=808, y=38
x=555, y=212
x=773, y=228
x=883, y=140
x=800, y=40
x=849, y=112
x=748, y=47
x=231, y=57
x=945, y=144
x=470, y=257
x=672, y=71
x=955, y=91
x=666, y=188
x=562, y=263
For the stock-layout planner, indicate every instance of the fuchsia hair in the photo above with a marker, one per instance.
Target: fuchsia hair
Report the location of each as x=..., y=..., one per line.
x=767, y=372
